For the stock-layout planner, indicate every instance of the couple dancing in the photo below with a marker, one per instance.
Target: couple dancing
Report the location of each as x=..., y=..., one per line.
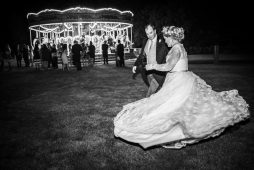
x=180, y=108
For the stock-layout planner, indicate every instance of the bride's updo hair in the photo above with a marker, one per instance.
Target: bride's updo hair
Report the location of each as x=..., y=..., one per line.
x=176, y=33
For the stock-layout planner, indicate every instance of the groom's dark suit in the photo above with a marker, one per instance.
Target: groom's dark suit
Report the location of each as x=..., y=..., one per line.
x=161, y=53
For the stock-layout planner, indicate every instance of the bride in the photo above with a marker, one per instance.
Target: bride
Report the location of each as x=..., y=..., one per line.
x=185, y=110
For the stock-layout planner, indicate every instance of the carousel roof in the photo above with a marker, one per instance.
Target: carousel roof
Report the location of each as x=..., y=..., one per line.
x=79, y=14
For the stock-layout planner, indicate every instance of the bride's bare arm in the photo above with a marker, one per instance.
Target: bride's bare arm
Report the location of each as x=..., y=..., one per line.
x=172, y=58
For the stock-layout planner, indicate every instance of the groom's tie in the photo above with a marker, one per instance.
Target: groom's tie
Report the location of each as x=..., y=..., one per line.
x=151, y=44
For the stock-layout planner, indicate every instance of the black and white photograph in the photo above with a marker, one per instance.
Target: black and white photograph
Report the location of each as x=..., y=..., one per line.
x=124, y=84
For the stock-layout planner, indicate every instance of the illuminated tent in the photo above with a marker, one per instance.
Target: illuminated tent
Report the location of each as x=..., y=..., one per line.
x=83, y=25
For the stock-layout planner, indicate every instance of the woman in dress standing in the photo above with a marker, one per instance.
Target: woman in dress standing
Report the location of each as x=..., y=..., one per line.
x=65, y=57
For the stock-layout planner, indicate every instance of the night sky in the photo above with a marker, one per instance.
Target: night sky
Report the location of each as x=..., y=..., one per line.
x=230, y=20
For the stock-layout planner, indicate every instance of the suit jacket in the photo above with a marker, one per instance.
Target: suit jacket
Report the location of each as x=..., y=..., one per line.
x=76, y=49
x=161, y=53
x=120, y=50
x=104, y=49
x=91, y=49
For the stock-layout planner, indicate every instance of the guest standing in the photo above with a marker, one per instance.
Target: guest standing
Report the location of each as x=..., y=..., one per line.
x=65, y=57
x=54, y=57
x=18, y=54
x=25, y=55
x=91, y=51
x=76, y=54
x=120, y=53
x=105, y=52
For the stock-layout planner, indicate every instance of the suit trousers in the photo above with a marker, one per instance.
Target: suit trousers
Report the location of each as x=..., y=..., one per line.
x=153, y=85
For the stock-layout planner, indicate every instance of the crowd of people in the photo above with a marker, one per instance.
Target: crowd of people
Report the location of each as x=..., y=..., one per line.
x=48, y=56
x=7, y=55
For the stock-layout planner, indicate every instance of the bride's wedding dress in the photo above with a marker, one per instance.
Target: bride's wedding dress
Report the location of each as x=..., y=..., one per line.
x=185, y=110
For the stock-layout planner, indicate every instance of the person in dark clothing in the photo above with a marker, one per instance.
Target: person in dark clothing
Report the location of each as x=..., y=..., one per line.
x=105, y=52
x=37, y=57
x=76, y=53
x=18, y=54
x=49, y=55
x=91, y=51
x=46, y=56
x=8, y=56
x=120, y=53
x=54, y=56
x=154, y=51
x=25, y=55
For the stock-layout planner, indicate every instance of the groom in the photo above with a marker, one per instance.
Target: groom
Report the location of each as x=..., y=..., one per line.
x=153, y=51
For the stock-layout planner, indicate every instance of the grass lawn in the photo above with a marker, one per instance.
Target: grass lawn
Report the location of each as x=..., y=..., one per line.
x=55, y=119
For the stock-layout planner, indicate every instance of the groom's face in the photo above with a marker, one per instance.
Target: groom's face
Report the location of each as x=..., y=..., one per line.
x=150, y=32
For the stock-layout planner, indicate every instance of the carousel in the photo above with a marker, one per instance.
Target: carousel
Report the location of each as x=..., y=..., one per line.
x=83, y=25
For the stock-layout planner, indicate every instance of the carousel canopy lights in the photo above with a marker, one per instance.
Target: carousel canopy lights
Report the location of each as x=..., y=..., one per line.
x=78, y=14
x=79, y=8
x=82, y=24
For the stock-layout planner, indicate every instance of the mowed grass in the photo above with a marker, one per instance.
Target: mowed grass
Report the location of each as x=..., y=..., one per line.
x=64, y=120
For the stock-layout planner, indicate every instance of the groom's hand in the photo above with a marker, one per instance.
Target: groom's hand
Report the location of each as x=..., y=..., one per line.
x=134, y=69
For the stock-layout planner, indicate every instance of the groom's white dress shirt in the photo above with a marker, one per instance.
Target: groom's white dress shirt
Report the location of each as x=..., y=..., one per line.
x=150, y=51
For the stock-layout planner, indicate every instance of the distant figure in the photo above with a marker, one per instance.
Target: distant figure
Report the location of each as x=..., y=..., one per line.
x=46, y=56
x=64, y=57
x=49, y=55
x=7, y=56
x=30, y=55
x=37, y=56
x=105, y=52
x=25, y=54
x=54, y=57
x=91, y=51
x=76, y=54
x=120, y=53
x=18, y=54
